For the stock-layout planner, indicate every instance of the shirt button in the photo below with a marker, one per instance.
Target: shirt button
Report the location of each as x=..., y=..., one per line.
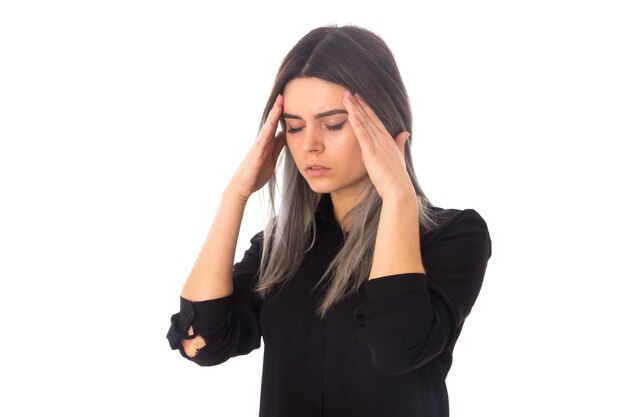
x=362, y=323
x=316, y=399
x=318, y=341
x=192, y=315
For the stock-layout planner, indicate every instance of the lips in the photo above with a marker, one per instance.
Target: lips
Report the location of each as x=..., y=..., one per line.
x=316, y=166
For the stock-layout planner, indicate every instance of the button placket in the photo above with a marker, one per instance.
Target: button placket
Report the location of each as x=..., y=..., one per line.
x=319, y=340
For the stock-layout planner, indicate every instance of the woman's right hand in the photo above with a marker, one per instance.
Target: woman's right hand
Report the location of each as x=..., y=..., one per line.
x=260, y=163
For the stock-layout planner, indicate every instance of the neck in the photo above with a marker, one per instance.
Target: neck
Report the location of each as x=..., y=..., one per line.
x=341, y=206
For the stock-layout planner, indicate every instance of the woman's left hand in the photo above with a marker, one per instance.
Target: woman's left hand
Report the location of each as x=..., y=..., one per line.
x=383, y=155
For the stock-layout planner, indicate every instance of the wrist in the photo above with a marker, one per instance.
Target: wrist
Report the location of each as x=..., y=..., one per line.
x=230, y=194
x=402, y=195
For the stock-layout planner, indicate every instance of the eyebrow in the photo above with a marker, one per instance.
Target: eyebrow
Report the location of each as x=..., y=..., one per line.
x=317, y=116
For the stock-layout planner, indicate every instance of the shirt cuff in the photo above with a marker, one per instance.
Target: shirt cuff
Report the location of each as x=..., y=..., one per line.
x=207, y=314
x=202, y=315
x=396, y=284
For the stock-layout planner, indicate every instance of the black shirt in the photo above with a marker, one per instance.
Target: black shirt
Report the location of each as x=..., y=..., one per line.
x=383, y=352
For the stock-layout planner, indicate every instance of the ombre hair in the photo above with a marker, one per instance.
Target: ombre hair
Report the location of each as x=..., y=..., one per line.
x=359, y=60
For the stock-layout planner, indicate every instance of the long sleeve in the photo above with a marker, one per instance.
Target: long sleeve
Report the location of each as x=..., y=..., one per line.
x=409, y=319
x=229, y=325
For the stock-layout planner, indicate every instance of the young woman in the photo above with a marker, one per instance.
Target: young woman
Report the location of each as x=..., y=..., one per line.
x=359, y=286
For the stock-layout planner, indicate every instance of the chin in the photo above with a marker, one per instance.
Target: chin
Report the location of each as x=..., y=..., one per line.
x=319, y=189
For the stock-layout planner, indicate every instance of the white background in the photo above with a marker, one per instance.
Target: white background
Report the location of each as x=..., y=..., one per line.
x=121, y=122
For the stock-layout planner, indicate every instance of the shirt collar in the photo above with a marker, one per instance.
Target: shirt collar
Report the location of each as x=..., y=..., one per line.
x=324, y=210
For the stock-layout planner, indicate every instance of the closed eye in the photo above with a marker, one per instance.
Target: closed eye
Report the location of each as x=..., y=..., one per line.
x=334, y=128
x=337, y=127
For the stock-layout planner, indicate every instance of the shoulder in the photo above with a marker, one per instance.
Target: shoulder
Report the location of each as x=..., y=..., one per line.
x=454, y=216
x=258, y=237
x=258, y=240
x=453, y=223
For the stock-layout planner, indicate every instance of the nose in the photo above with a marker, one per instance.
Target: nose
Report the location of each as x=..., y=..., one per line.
x=313, y=140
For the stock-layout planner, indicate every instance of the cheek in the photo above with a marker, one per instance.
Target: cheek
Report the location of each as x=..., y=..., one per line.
x=349, y=160
x=351, y=150
x=290, y=146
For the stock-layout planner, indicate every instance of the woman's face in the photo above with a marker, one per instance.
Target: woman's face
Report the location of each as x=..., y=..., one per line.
x=318, y=132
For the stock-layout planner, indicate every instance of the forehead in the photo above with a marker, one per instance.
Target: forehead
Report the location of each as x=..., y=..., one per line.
x=307, y=96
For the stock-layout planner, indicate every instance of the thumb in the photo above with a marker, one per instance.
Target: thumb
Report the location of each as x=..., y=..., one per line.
x=278, y=144
x=401, y=141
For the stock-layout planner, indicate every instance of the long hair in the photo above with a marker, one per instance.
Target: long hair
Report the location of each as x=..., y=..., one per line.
x=359, y=60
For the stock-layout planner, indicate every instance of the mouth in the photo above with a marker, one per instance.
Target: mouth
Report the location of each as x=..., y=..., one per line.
x=315, y=166
x=316, y=170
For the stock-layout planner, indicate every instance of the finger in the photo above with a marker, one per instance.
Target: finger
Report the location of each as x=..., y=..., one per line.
x=276, y=110
x=369, y=114
x=271, y=122
x=362, y=136
x=279, y=143
x=356, y=121
x=361, y=118
x=401, y=141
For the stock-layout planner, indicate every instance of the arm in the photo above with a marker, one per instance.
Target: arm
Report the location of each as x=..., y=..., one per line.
x=217, y=304
x=211, y=275
x=397, y=247
x=410, y=318
x=211, y=305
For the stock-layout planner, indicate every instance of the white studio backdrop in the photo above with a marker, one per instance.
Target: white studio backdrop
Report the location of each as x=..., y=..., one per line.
x=121, y=122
